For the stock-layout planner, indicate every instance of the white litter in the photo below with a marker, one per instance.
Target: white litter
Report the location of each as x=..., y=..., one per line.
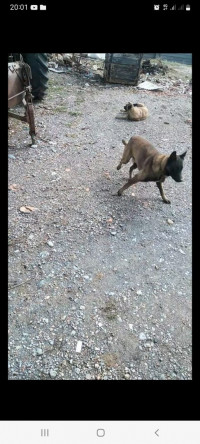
x=150, y=86
x=78, y=346
x=97, y=56
x=59, y=71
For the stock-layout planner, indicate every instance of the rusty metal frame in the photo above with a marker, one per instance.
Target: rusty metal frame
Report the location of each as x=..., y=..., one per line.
x=29, y=116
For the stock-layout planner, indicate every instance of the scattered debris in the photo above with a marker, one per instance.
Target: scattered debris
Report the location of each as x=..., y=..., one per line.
x=27, y=209
x=14, y=187
x=59, y=71
x=154, y=67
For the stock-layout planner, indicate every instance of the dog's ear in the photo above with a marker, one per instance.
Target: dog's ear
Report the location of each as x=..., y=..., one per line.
x=173, y=156
x=183, y=155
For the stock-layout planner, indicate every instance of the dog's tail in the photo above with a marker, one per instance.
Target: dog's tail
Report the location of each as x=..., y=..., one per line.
x=124, y=142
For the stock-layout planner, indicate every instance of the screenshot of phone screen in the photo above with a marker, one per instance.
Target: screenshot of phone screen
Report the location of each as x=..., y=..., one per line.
x=100, y=225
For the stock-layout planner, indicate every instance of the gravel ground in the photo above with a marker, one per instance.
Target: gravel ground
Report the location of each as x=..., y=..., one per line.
x=99, y=285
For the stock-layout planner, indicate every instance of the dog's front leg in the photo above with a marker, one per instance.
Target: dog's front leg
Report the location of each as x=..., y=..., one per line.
x=137, y=178
x=159, y=185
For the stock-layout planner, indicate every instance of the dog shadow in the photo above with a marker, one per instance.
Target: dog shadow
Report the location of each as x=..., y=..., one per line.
x=127, y=206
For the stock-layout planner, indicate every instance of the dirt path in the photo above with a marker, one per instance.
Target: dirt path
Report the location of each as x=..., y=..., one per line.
x=100, y=285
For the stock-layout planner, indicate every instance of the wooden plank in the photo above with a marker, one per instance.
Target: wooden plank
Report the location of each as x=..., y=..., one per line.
x=118, y=74
x=123, y=72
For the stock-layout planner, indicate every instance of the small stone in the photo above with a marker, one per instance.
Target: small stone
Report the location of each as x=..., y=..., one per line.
x=11, y=156
x=111, y=293
x=156, y=267
x=127, y=376
x=44, y=254
x=88, y=376
x=162, y=376
x=41, y=283
x=181, y=251
x=139, y=292
x=50, y=243
x=169, y=221
x=142, y=336
x=77, y=370
x=113, y=233
x=53, y=373
x=39, y=351
x=34, y=146
x=82, y=307
x=63, y=317
x=131, y=326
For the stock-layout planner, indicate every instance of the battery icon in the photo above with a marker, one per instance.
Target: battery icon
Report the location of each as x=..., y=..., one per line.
x=187, y=7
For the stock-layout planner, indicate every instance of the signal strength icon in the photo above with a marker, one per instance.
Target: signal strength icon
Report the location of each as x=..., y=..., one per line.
x=173, y=8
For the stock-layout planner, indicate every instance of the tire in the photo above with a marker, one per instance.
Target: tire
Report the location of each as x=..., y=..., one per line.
x=39, y=68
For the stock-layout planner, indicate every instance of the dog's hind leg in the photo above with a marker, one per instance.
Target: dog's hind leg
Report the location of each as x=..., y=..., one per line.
x=139, y=177
x=159, y=185
x=126, y=155
x=133, y=167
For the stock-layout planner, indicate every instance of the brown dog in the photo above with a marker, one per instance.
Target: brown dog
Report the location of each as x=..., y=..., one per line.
x=153, y=165
x=136, y=112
